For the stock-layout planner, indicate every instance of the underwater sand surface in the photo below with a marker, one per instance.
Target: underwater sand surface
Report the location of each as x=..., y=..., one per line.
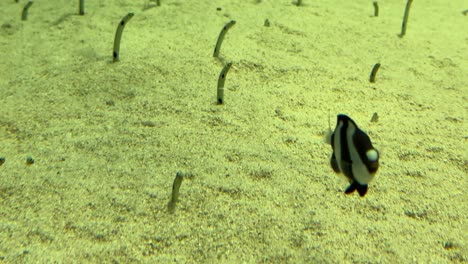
x=108, y=138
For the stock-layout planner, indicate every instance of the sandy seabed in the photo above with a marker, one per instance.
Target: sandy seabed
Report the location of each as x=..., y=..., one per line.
x=108, y=138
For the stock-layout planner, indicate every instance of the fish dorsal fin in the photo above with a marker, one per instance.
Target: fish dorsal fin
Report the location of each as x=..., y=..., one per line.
x=329, y=132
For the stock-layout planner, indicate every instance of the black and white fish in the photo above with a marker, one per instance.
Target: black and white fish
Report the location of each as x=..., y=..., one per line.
x=353, y=154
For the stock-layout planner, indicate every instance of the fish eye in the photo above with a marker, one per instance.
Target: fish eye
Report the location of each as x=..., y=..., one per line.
x=372, y=155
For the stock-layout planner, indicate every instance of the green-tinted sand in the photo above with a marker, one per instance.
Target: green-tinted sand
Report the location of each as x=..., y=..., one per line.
x=108, y=138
